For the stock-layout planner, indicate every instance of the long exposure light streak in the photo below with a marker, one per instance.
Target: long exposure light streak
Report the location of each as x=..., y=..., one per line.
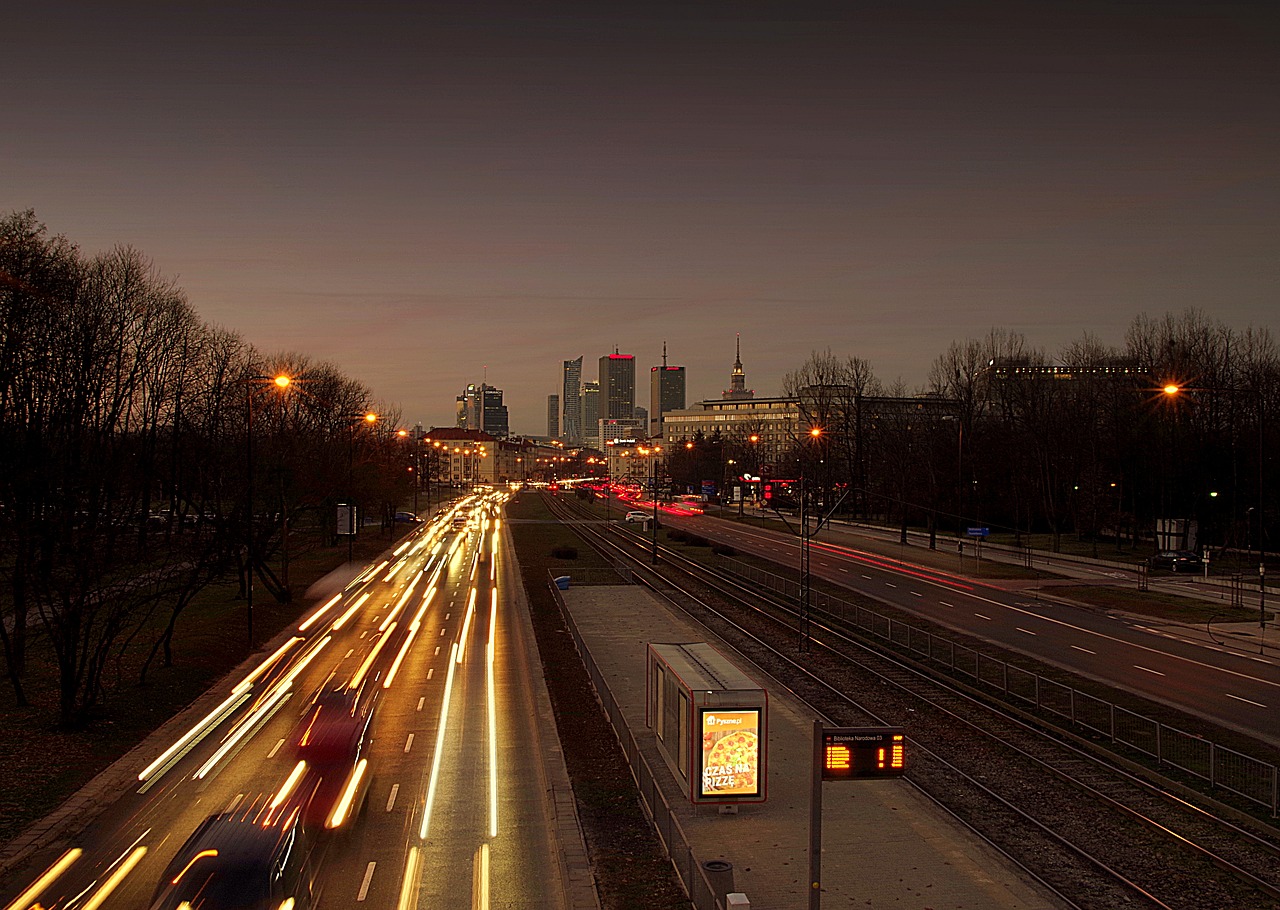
x=115, y=878
x=343, y=808
x=409, y=884
x=247, y=682
x=24, y=900
x=248, y=725
x=368, y=661
x=435, y=759
x=290, y=782
x=355, y=605
x=466, y=625
x=493, y=717
x=195, y=734
x=404, y=599
x=311, y=620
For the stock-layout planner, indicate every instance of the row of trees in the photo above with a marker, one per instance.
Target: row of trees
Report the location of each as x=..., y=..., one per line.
x=1085, y=442
x=132, y=436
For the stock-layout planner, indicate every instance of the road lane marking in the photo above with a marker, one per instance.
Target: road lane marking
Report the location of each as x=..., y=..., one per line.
x=981, y=616
x=275, y=749
x=1247, y=701
x=430, y=672
x=391, y=800
x=1085, y=650
x=408, y=743
x=1148, y=670
x=421, y=701
x=442, y=631
x=916, y=594
x=944, y=603
x=437, y=649
x=364, y=885
x=845, y=571
x=867, y=577
x=1027, y=631
x=890, y=584
x=349, y=653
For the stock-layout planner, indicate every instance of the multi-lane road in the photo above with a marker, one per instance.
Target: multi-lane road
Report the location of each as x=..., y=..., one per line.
x=1226, y=685
x=456, y=812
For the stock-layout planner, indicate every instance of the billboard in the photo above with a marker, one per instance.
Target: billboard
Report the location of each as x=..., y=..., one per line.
x=730, y=754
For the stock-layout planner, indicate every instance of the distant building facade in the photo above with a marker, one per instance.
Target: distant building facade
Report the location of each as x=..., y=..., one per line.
x=572, y=399
x=591, y=414
x=666, y=392
x=553, y=416
x=618, y=386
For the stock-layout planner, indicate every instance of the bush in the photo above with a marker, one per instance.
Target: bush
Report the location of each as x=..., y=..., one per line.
x=564, y=552
x=723, y=549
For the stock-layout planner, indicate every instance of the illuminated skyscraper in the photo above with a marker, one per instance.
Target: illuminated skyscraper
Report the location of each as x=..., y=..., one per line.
x=618, y=386
x=572, y=399
x=666, y=392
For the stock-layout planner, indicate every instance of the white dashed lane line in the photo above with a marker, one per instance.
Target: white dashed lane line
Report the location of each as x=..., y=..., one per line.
x=391, y=800
x=1024, y=631
x=364, y=885
x=1148, y=670
x=943, y=603
x=1085, y=650
x=981, y=616
x=1247, y=701
x=408, y=743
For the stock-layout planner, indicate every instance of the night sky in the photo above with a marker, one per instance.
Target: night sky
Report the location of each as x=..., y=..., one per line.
x=419, y=191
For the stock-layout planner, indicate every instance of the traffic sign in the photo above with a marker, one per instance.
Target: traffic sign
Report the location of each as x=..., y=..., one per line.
x=978, y=532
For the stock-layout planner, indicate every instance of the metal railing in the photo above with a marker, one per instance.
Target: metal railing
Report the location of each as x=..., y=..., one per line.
x=1223, y=768
x=656, y=806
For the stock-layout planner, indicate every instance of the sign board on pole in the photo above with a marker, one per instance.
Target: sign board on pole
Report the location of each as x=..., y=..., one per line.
x=346, y=519
x=978, y=532
x=849, y=752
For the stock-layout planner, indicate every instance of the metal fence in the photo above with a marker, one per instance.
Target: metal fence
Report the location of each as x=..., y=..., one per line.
x=1226, y=769
x=665, y=823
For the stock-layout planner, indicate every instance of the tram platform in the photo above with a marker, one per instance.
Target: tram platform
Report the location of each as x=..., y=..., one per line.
x=884, y=844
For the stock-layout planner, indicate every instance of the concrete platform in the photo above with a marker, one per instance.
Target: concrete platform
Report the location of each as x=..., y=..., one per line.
x=884, y=844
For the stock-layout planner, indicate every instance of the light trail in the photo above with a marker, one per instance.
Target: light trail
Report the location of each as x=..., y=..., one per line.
x=115, y=879
x=493, y=718
x=311, y=620
x=480, y=879
x=395, y=570
x=245, y=683
x=194, y=735
x=466, y=624
x=290, y=782
x=404, y=598
x=356, y=605
x=343, y=808
x=409, y=884
x=301, y=665
x=248, y=725
x=435, y=759
x=368, y=661
x=408, y=641
x=24, y=900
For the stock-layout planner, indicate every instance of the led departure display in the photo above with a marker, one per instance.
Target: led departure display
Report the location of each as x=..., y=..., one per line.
x=849, y=752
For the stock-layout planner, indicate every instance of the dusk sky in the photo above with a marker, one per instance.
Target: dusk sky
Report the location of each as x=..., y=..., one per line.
x=418, y=192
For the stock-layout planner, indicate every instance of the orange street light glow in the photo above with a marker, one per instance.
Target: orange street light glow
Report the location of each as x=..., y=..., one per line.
x=282, y=381
x=1172, y=389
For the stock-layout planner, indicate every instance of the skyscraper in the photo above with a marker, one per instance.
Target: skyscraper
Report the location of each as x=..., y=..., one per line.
x=666, y=392
x=480, y=407
x=618, y=386
x=591, y=413
x=553, y=416
x=572, y=399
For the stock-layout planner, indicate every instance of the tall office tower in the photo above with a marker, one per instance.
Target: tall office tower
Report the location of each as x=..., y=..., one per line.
x=618, y=386
x=493, y=413
x=463, y=411
x=666, y=392
x=573, y=401
x=553, y=416
x=591, y=413
x=738, y=390
x=641, y=416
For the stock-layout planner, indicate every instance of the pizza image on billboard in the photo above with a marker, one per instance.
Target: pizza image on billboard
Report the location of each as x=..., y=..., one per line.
x=730, y=753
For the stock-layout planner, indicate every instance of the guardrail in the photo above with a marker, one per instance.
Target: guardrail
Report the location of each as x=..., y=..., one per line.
x=1224, y=768
x=656, y=806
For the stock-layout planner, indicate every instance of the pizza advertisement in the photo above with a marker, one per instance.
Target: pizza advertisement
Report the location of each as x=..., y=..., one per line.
x=730, y=752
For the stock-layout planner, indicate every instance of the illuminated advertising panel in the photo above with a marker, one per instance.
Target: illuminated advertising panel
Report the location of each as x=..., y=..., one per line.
x=849, y=752
x=730, y=763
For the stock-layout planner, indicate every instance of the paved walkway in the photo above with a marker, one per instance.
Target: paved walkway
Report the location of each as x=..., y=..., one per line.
x=884, y=844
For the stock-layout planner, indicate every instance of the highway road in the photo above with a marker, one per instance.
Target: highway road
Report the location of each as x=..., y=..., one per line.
x=1225, y=685
x=455, y=813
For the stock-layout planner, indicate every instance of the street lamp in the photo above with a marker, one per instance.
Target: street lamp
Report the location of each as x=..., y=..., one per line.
x=1172, y=390
x=281, y=382
x=815, y=433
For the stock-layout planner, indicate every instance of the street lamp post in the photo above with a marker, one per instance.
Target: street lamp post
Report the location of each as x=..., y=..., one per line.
x=805, y=540
x=281, y=382
x=1172, y=390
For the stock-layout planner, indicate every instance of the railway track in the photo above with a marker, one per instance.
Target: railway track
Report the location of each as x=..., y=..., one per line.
x=1093, y=834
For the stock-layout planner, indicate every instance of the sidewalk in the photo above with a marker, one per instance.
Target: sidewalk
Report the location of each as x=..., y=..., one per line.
x=884, y=843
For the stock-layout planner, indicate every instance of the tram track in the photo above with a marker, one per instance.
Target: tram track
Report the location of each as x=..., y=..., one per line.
x=1094, y=834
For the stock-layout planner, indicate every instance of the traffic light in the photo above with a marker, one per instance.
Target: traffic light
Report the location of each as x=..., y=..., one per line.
x=769, y=490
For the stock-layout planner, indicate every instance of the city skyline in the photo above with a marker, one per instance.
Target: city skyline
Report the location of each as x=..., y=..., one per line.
x=417, y=193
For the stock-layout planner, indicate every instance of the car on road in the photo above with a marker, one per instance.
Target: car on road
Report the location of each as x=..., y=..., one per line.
x=240, y=861
x=1175, y=560
x=638, y=516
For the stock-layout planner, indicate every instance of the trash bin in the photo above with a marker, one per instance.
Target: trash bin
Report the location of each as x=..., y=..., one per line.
x=719, y=876
x=563, y=582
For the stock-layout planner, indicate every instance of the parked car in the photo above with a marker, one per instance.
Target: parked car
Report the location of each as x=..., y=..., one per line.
x=240, y=862
x=638, y=516
x=1175, y=560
